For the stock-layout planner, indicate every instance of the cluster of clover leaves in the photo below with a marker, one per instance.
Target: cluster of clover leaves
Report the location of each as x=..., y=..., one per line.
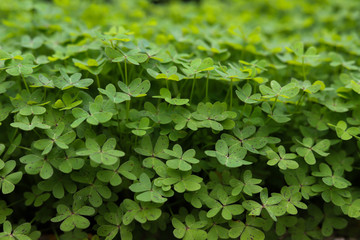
x=178, y=126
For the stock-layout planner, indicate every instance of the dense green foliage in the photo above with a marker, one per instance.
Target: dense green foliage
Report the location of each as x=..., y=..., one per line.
x=220, y=120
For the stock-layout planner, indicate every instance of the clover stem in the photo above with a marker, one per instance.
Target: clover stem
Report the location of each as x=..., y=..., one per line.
x=16, y=202
x=300, y=100
x=192, y=88
x=207, y=87
x=26, y=86
x=44, y=93
x=175, y=87
x=231, y=94
x=25, y=148
x=303, y=68
x=273, y=106
x=127, y=109
x=167, y=84
x=126, y=77
x=118, y=122
x=121, y=71
x=97, y=80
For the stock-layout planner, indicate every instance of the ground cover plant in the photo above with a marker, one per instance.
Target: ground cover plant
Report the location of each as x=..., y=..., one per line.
x=204, y=120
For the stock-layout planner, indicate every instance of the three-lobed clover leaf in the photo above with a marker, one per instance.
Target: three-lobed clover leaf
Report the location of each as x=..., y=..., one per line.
x=57, y=136
x=38, y=164
x=73, y=218
x=246, y=96
x=182, y=160
x=114, y=225
x=214, y=116
x=282, y=159
x=231, y=157
x=291, y=199
x=21, y=232
x=166, y=95
x=192, y=229
x=137, y=88
x=271, y=204
x=345, y=133
x=141, y=212
x=228, y=205
x=308, y=148
x=331, y=178
x=8, y=178
x=250, y=230
x=113, y=95
x=249, y=185
x=148, y=191
x=105, y=154
x=66, y=82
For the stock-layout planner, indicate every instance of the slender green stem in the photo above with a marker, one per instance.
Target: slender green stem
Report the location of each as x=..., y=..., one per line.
x=273, y=106
x=175, y=87
x=26, y=86
x=231, y=94
x=25, y=148
x=126, y=77
x=16, y=202
x=207, y=87
x=44, y=94
x=303, y=69
x=167, y=83
x=98, y=81
x=117, y=117
x=192, y=88
x=127, y=109
x=121, y=71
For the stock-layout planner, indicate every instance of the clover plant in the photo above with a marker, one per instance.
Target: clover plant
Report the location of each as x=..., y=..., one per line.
x=179, y=120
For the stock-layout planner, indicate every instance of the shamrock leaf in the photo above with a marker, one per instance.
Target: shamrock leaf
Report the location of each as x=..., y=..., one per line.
x=245, y=96
x=181, y=159
x=247, y=231
x=141, y=212
x=21, y=66
x=58, y=184
x=34, y=43
x=301, y=180
x=37, y=197
x=136, y=88
x=345, y=133
x=8, y=179
x=246, y=138
x=248, y=186
x=291, y=199
x=133, y=56
x=36, y=164
x=115, y=97
x=283, y=159
x=111, y=173
x=199, y=65
x=182, y=181
x=21, y=232
x=114, y=225
x=139, y=127
x=23, y=123
x=229, y=156
x=66, y=82
x=191, y=230
x=148, y=192
x=168, y=73
x=105, y=154
x=66, y=102
x=153, y=154
x=72, y=218
x=4, y=211
x=166, y=95
x=58, y=137
x=183, y=118
x=308, y=148
x=224, y=203
x=331, y=178
x=288, y=91
x=100, y=112
x=270, y=204
x=213, y=116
